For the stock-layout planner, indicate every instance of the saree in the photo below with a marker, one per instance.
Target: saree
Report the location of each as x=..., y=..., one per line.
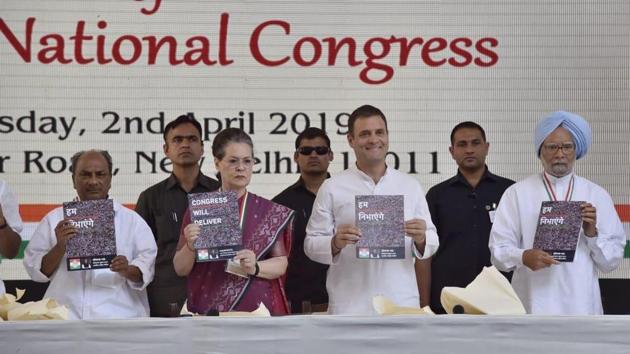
x=210, y=287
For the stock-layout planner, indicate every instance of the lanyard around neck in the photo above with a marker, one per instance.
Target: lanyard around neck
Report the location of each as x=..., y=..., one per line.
x=551, y=192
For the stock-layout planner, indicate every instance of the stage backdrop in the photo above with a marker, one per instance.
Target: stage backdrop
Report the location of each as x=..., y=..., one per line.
x=109, y=74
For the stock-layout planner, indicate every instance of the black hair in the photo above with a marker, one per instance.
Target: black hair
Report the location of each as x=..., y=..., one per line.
x=364, y=111
x=468, y=125
x=312, y=133
x=183, y=119
x=226, y=136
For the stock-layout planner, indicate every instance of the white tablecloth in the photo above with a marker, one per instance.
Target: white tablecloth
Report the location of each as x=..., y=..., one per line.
x=323, y=335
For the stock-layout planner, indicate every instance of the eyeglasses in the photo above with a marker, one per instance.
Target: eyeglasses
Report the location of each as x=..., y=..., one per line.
x=235, y=163
x=566, y=148
x=307, y=150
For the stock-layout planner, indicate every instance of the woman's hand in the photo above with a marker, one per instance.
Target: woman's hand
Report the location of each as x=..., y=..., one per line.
x=247, y=259
x=191, y=232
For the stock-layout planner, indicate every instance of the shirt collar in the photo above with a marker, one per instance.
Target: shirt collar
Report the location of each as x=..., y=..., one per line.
x=171, y=182
x=201, y=179
x=366, y=177
x=300, y=183
x=558, y=180
x=486, y=175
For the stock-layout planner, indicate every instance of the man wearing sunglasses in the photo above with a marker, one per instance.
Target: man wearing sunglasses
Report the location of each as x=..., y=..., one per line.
x=306, y=280
x=544, y=285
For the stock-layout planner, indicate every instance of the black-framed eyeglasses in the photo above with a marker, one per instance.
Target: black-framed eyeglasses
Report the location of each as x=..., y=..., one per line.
x=307, y=150
x=566, y=148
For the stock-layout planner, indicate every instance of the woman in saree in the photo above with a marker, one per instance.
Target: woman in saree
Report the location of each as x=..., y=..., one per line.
x=266, y=229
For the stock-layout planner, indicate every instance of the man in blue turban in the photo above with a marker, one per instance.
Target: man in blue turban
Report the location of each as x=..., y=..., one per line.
x=577, y=126
x=543, y=283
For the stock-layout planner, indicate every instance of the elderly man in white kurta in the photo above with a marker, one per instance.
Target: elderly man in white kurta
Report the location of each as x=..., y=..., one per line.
x=544, y=285
x=118, y=292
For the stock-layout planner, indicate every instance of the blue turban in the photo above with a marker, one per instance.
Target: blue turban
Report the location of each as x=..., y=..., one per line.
x=578, y=127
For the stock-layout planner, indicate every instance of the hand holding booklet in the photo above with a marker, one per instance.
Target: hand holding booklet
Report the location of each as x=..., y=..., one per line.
x=218, y=215
x=381, y=219
x=94, y=244
x=558, y=230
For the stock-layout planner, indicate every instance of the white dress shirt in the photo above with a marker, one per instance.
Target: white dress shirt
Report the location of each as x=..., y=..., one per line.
x=353, y=282
x=11, y=212
x=98, y=293
x=567, y=288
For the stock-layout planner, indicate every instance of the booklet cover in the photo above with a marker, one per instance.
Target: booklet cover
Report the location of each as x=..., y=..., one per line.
x=94, y=245
x=558, y=230
x=217, y=213
x=381, y=219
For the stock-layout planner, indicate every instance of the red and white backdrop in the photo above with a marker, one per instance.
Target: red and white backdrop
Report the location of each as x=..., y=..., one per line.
x=110, y=74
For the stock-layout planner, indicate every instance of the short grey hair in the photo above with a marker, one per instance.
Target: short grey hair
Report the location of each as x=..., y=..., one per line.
x=75, y=158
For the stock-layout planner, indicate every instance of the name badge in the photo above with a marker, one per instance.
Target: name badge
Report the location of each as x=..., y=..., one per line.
x=491, y=214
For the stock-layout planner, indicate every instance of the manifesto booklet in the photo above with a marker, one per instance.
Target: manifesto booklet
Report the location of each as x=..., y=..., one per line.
x=94, y=245
x=381, y=219
x=218, y=215
x=558, y=230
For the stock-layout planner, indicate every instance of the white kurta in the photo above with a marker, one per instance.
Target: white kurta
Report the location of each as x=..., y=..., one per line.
x=11, y=212
x=352, y=282
x=567, y=288
x=99, y=293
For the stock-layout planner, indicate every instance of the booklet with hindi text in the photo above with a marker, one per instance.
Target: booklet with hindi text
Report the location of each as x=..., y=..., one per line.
x=94, y=245
x=381, y=219
x=217, y=213
x=558, y=230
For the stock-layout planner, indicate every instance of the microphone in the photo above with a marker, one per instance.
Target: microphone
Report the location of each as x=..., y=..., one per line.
x=212, y=312
x=458, y=310
x=472, y=195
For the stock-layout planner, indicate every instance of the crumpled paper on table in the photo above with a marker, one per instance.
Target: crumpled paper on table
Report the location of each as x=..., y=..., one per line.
x=489, y=294
x=384, y=306
x=46, y=309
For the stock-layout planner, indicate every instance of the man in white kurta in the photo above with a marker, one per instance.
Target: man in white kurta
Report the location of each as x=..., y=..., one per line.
x=544, y=285
x=331, y=235
x=118, y=292
x=10, y=225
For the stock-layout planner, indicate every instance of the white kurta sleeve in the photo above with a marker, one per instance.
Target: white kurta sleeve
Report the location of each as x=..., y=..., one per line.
x=432, y=240
x=10, y=208
x=320, y=229
x=144, y=253
x=607, y=248
x=42, y=241
x=505, y=237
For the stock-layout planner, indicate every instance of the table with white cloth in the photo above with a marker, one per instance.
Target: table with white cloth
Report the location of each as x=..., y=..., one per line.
x=322, y=334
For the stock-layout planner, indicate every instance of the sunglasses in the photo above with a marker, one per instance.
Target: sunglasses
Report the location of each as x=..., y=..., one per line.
x=307, y=150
